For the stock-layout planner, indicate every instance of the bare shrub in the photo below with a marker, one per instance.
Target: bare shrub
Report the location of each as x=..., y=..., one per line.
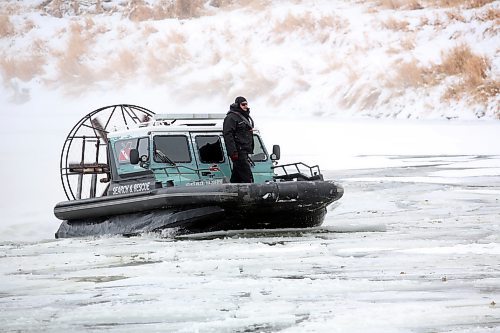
x=98, y=7
x=148, y=30
x=160, y=63
x=352, y=96
x=478, y=3
x=10, y=8
x=396, y=25
x=489, y=89
x=461, y=61
x=370, y=98
x=257, y=5
x=331, y=63
x=53, y=8
x=460, y=3
x=424, y=20
x=293, y=22
x=28, y=26
x=89, y=23
x=401, y=4
x=408, y=42
x=70, y=62
x=455, y=15
x=220, y=3
x=408, y=74
x=23, y=68
x=173, y=37
x=141, y=10
x=471, y=70
x=6, y=27
x=121, y=66
x=492, y=14
x=187, y=8
x=308, y=23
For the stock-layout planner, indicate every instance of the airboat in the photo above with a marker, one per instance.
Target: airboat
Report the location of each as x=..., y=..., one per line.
x=126, y=170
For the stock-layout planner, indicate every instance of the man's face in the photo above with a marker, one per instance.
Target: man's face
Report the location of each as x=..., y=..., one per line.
x=244, y=106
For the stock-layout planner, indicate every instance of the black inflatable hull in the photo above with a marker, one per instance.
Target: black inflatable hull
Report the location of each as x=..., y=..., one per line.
x=272, y=205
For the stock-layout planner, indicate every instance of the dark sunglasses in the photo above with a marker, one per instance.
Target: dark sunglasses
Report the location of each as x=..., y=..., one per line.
x=244, y=104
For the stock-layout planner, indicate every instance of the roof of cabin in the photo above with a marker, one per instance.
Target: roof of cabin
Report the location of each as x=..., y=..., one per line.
x=165, y=123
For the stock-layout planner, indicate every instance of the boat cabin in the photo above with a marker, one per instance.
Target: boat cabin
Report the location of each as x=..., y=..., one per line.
x=178, y=150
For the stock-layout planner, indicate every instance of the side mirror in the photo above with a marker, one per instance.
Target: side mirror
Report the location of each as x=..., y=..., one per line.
x=134, y=156
x=276, y=153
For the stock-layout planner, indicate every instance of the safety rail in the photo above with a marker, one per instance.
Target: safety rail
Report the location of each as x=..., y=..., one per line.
x=297, y=174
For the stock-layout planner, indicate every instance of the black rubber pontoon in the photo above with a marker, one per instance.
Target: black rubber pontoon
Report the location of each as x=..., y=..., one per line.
x=272, y=205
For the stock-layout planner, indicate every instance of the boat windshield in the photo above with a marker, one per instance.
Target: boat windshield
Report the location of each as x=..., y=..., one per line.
x=123, y=147
x=171, y=149
x=259, y=153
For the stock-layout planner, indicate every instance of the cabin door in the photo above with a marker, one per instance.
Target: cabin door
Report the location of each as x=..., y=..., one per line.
x=211, y=157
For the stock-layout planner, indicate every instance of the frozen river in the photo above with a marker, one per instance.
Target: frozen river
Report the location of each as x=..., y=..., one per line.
x=413, y=247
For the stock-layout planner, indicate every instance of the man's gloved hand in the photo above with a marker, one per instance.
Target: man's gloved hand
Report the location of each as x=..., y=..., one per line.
x=234, y=156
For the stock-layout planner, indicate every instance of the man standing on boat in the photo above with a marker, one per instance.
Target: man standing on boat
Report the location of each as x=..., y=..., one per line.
x=238, y=136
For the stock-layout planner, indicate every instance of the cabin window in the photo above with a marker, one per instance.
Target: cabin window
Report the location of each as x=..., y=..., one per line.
x=210, y=148
x=172, y=147
x=259, y=154
x=143, y=147
x=123, y=147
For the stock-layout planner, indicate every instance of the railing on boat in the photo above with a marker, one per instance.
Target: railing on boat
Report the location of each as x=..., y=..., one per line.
x=295, y=171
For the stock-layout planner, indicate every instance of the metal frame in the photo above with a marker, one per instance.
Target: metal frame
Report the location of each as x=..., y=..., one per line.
x=314, y=171
x=123, y=114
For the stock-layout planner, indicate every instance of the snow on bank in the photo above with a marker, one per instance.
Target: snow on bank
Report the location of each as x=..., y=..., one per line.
x=288, y=57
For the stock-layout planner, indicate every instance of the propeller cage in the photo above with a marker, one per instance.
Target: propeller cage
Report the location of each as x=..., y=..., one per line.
x=84, y=166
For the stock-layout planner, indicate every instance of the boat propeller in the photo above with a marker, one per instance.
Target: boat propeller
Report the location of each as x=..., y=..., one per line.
x=84, y=156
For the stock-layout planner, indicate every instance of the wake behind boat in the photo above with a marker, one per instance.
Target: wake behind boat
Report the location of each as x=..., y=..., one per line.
x=171, y=171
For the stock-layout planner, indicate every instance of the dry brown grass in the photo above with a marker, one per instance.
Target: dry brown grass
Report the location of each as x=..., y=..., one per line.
x=469, y=69
x=248, y=4
x=419, y=4
x=408, y=42
x=331, y=63
x=401, y=4
x=319, y=27
x=125, y=65
x=409, y=74
x=148, y=30
x=163, y=61
x=11, y=8
x=356, y=92
x=28, y=26
x=455, y=15
x=472, y=70
x=181, y=9
x=221, y=3
x=462, y=61
x=23, y=68
x=6, y=27
x=468, y=4
x=492, y=14
x=71, y=65
x=481, y=93
x=396, y=25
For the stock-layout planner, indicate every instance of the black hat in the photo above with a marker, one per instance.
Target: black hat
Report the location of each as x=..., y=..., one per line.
x=240, y=100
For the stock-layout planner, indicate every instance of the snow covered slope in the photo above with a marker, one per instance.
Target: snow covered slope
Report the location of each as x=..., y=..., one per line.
x=387, y=58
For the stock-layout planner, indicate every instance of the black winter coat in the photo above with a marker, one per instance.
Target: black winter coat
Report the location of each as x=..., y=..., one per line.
x=238, y=131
